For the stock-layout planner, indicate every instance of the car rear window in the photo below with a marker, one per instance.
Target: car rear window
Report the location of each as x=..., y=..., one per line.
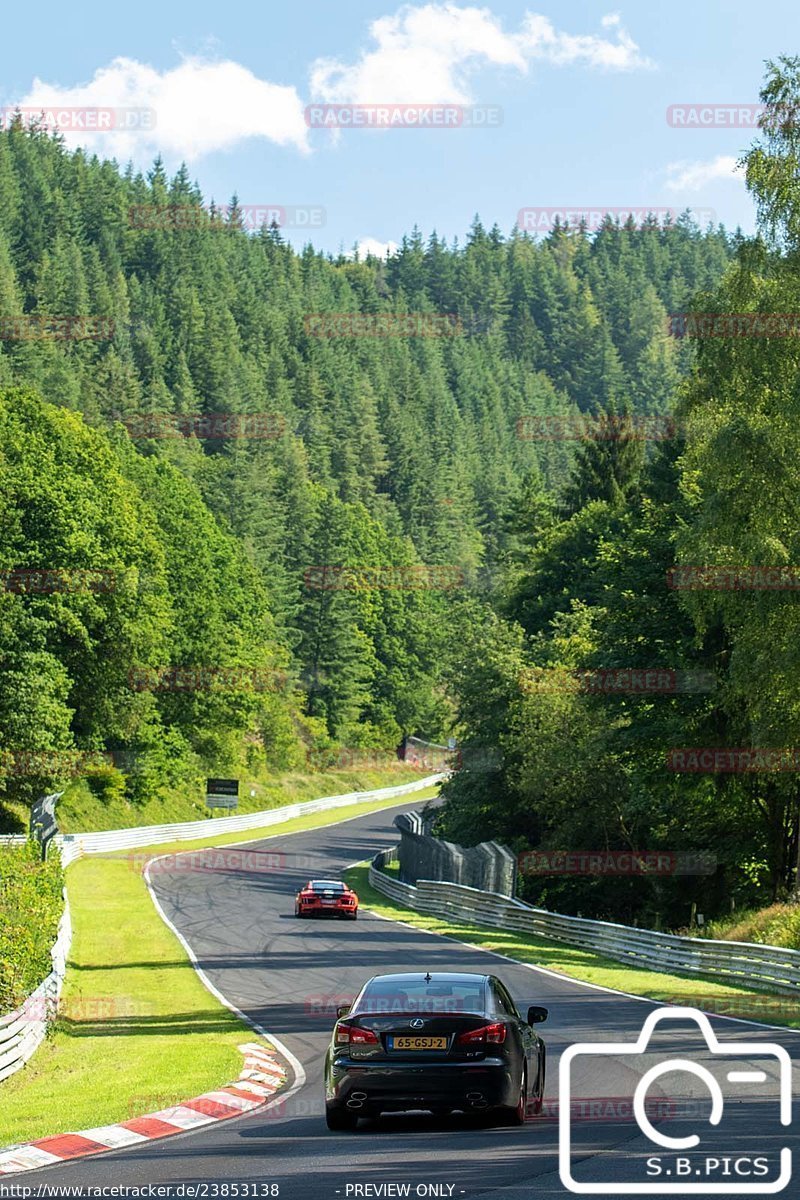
x=385, y=996
x=322, y=886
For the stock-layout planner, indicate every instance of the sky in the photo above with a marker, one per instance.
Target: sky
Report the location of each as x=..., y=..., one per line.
x=545, y=108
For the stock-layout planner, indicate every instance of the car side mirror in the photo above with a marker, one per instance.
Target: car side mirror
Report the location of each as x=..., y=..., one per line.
x=536, y=1015
x=342, y=1010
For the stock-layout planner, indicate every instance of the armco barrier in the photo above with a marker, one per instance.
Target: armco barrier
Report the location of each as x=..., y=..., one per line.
x=22, y=1031
x=770, y=967
x=76, y=845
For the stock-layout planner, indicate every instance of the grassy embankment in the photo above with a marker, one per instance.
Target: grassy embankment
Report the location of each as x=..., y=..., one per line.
x=139, y=1030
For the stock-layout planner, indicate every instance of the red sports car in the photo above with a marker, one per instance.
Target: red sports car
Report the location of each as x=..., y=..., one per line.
x=326, y=896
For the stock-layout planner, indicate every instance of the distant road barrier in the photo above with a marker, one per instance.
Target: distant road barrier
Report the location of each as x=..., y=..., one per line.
x=770, y=967
x=76, y=845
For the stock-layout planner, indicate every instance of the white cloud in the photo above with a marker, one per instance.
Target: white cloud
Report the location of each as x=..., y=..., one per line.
x=199, y=107
x=540, y=40
x=425, y=54
x=693, y=176
x=369, y=245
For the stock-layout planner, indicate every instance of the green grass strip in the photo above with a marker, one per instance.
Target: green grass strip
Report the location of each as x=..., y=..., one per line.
x=693, y=990
x=139, y=1031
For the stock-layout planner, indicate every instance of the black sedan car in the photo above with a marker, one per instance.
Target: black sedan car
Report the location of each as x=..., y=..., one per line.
x=443, y=1042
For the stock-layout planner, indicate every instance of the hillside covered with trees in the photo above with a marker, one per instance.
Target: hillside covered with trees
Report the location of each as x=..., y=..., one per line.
x=593, y=589
x=195, y=549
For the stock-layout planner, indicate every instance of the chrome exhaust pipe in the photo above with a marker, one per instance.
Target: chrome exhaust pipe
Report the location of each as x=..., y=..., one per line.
x=356, y=1100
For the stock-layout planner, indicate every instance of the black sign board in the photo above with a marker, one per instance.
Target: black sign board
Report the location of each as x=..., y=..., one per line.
x=43, y=821
x=222, y=793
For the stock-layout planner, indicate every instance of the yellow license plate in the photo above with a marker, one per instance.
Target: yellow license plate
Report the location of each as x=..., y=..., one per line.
x=419, y=1043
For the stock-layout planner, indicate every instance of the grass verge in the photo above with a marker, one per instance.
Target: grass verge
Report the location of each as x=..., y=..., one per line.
x=695, y=990
x=139, y=1030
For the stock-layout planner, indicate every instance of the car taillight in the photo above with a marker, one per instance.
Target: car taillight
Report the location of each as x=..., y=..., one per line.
x=352, y=1035
x=493, y=1035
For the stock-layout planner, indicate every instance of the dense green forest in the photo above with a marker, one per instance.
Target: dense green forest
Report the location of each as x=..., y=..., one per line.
x=265, y=543
x=588, y=590
x=207, y=551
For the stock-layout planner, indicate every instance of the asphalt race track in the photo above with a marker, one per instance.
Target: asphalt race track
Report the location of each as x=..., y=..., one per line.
x=281, y=972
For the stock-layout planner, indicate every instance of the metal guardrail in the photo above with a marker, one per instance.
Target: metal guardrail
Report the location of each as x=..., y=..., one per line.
x=76, y=845
x=24, y=1030
x=770, y=967
x=12, y=839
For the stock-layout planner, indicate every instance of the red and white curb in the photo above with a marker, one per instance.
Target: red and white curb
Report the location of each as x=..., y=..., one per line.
x=261, y=1077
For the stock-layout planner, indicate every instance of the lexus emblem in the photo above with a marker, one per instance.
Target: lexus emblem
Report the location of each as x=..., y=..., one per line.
x=416, y=1023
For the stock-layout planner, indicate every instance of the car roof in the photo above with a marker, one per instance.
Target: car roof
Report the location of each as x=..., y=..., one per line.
x=434, y=977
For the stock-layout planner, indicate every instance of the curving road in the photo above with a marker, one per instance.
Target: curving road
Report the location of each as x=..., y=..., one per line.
x=284, y=975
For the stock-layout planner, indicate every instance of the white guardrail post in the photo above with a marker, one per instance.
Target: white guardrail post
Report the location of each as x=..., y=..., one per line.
x=23, y=1031
x=771, y=968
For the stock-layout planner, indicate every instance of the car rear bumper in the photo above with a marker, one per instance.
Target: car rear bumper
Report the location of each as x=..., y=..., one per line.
x=329, y=910
x=387, y=1087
